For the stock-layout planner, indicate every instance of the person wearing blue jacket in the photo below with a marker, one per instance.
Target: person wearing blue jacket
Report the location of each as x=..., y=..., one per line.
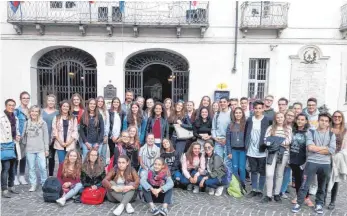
x=135, y=117
x=157, y=187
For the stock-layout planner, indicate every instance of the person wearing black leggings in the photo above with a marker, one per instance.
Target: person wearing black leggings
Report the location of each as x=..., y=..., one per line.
x=298, y=152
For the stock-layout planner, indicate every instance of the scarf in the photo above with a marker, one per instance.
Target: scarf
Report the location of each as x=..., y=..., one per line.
x=148, y=156
x=12, y=120
x=33, y=128
x=156, y=180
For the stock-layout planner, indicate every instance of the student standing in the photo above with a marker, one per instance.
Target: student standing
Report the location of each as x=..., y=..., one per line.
x=48, y=113
x=135, y=118
x=106, y=117
x=255, y=129
x=244, y=103
x=77, y=106
x=129, y=97
x=321, y=144
x=268, y=110
x=157, y=124
x=202, y=126
x=116, y=120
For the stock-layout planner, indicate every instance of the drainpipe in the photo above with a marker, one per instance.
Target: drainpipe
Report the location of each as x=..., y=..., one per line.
x=236, y=35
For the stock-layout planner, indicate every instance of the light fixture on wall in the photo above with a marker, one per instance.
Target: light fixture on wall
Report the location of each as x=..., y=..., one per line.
x=272, y=46
x=171, y=78
x=71, y=74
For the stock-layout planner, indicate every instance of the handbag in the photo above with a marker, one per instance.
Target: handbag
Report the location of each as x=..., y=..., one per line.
x=93, y=197
x=183, y=133
x=8, y=150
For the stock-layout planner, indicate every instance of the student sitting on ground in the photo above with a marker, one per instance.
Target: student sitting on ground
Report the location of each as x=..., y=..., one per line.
x=93, y=171
x=157, y=187
x=193, y=164
x=69, y=173
x=121, y=183
x=215, y=175
x=171, y=158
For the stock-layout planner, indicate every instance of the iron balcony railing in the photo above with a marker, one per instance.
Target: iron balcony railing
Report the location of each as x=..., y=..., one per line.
x=264, y=15
x=343, y=26
x=193, y=13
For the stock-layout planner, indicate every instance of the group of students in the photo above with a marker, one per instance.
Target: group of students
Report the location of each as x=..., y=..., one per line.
x=148, y=156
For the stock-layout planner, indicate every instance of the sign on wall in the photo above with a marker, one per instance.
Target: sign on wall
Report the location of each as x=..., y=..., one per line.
x=219, y=94
x=308, y=75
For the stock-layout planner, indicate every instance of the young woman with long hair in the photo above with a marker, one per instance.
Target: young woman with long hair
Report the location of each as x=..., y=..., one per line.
x=91, y=129
x=207, y=103
x=121, y=183
x=93, y=171
x=339, y=129
x=135, y=118
x=157, y=187
x=171, y=158
x=190, y=107
x=48, y=114
x=193, y=165
x=22, y=114
x=64, y=131
x=132, y=148
x=181, y=120
x=215, y=175
x=215, y=108
x=106, y=117
x=149, y=107
x=116, y=115
x=278, y=129
x=298, y=152
x=69, y=175
x=169, y=113
x=36, y=140
x=77, y=106
x=157, y=124
x=235, y=143
x=202, y=126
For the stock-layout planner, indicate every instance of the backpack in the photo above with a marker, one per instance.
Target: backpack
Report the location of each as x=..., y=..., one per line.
x=236, y=188
x=93, y=197
x=52, y=189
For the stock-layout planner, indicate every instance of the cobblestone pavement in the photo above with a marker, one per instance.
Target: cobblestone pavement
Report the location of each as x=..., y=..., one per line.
x=185, y=203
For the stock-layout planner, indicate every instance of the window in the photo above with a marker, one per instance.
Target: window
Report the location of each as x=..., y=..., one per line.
x=56, y=4
x=70, y=4
x=258, y=77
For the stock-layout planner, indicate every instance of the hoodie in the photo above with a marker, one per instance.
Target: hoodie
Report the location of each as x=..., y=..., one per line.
x=312, y=119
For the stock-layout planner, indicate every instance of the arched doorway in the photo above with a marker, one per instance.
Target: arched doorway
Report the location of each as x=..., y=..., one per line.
x=157, y=74
x=65, y=71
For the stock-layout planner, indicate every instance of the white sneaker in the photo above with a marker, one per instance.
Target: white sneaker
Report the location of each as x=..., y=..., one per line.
x=16, y=182
x=211, y=191
x=129, y=208
x=32, y=188
x=22, y=180
x=61, y=201
x=119, y=210
x=190, y=187
x=196, y=189
x=219, y=190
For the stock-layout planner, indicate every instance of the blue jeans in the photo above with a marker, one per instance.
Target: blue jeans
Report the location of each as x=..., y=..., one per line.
x=40, y=158
x=184, y=180
x=214, y=182
x=239, y=163
x=7, y=173
x=85, y=149
x=176, y=176
x=286, y=179
x=221, y=150
x=61, y=155
x=103, y=152
x=74, y=191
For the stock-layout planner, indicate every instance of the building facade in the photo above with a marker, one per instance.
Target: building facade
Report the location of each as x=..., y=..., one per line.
x=182, y=50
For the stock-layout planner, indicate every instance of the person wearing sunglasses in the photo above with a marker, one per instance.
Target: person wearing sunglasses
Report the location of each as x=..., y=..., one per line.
x=215, y=174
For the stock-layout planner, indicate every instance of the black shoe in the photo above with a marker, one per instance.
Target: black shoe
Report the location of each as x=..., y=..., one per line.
x=259, y=194
x=13, y=190
x=6, y=194
x=251, y=194
x=266, y=199
x=331, y=206
x=277, y=198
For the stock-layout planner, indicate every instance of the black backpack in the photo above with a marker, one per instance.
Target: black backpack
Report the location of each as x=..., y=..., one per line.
x=52, y=189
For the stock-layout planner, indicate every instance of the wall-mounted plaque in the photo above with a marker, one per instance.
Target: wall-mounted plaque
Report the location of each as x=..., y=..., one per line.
x=110, y=92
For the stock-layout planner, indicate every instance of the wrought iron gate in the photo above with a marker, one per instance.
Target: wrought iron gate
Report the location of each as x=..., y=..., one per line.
x=179, y=67
x=66, y=71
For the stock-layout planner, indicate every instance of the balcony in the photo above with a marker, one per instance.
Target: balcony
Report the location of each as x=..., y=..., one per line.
x=164, y=14
x=264, y=15
x=343, y=26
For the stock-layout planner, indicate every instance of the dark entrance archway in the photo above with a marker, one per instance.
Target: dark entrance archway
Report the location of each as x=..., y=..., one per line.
x=65, y=71
x=159, y=74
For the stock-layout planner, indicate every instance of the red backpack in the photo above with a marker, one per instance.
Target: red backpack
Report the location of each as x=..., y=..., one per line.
x=93, y=197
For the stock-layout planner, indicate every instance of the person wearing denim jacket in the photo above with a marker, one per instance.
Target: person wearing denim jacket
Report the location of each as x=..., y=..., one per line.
x=129, y=119
x=22, y=113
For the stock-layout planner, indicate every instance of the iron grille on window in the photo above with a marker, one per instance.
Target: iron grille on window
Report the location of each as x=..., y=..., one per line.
x=258, y=77
x=56, y=4
x=70, y=4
